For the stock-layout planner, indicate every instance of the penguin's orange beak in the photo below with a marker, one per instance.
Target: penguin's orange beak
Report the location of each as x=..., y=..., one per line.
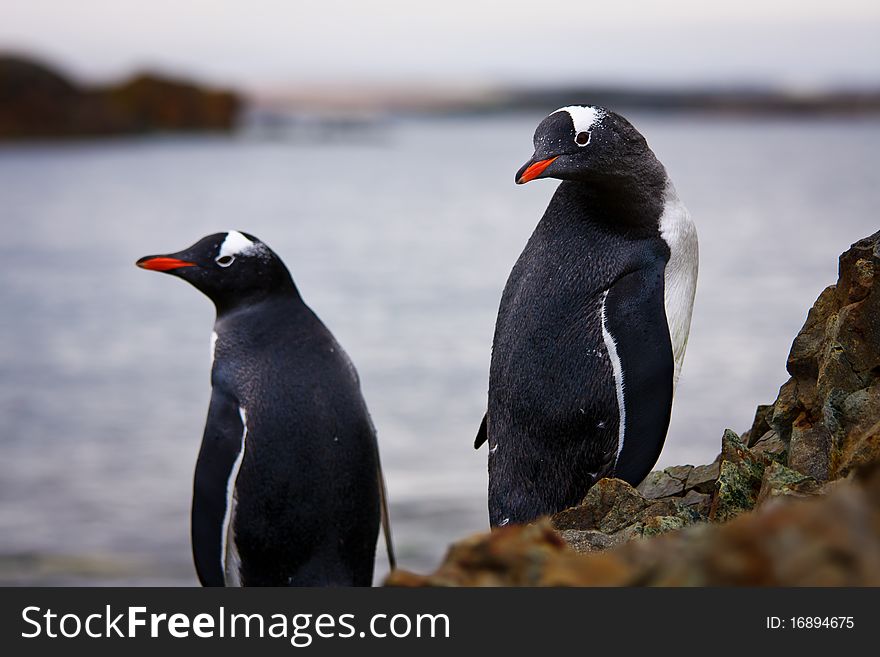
x=162, y=263
x=533, y=170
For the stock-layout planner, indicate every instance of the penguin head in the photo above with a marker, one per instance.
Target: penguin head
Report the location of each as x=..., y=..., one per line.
x=588, y=144
x=229, y=268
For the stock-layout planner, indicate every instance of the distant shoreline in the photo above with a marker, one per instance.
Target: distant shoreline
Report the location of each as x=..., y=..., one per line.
x=724, y=101
x=37, y=102
x=727, y=101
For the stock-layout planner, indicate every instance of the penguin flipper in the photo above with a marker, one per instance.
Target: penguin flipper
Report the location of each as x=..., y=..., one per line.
x=222, y=444
x=634, y=318
x=482, y=435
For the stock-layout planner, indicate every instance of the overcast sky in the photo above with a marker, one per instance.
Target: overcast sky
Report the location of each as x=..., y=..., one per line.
x=262, y=44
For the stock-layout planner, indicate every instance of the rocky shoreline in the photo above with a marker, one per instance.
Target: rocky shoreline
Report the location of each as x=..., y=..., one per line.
x=37, y=101
x=793, y=501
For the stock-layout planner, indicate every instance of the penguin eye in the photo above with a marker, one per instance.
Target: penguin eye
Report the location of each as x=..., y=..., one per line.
x=582, y=138
x=225, y=261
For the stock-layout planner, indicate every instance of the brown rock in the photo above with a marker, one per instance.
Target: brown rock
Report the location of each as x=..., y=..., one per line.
x=679, y=472
x=514, y=555
x=838, y=376
x=781, y=481
x=699, y=502
x=703, y=477
x=810, y=450
x=858, y=280
x=613, y=507
x=610, y=504
x=760, y=425
x=771, y=446
x=665, y=507
x=833, y=397
x=733, y=449
x=519, y=555
x=627, y=507
x=588, y=540
x=660, y=484
x=860, y=451
x=657, y=525
x=860, y=410
x=809, y=345
x=787, y=407
x=829, y=540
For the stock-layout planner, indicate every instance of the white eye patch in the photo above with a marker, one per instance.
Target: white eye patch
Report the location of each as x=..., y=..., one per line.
x=584, y=120
x=235, y=244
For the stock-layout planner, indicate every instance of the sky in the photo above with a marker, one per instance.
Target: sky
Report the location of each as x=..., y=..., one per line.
x=270, y=44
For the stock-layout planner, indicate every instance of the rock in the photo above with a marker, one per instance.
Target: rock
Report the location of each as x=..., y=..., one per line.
x=861, y=451
x=771, y=446
x=736, y=493
x=821, y=422
x=609, y=506
x=667, y=506
x=833, y=396
x=703, y=477
x=860, y=410
x=660, y=484
x=525, y=555
x=701, y=503
x=827, y=540
x=665, y=483
x=733, y=448
x=760, y=425
x=614, y=512
x=808, y=346
x=588, y=540
x=786, y=408
x=781, y=481
x=739, y=481
x=810, y=450
x=662, y=524
x=679, y=472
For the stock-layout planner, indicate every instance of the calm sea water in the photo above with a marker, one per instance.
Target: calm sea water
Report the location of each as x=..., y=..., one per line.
x=401, y=243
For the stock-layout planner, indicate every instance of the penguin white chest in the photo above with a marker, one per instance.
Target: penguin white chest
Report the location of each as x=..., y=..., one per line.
x=680, y=234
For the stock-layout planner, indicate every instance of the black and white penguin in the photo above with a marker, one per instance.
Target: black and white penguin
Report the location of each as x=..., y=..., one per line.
x=593, y=322
x=288, y=487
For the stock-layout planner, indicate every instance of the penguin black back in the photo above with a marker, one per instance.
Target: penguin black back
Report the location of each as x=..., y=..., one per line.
x=288, y=487
x=592, y=323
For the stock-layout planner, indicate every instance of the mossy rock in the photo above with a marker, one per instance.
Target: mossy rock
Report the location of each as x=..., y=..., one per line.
x=780, y=481
x=739, y=481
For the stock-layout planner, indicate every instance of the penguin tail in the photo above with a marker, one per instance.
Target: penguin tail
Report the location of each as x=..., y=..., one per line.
x=482, y=435
x=386, y=518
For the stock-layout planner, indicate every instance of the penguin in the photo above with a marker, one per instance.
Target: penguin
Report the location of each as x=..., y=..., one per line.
x=288, y=487
x=593, y=322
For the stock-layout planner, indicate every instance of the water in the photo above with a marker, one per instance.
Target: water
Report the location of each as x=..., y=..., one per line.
x=402, y=244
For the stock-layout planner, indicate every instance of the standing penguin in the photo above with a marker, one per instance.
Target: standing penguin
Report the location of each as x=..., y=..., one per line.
x=593, y=322
x=288, y=487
